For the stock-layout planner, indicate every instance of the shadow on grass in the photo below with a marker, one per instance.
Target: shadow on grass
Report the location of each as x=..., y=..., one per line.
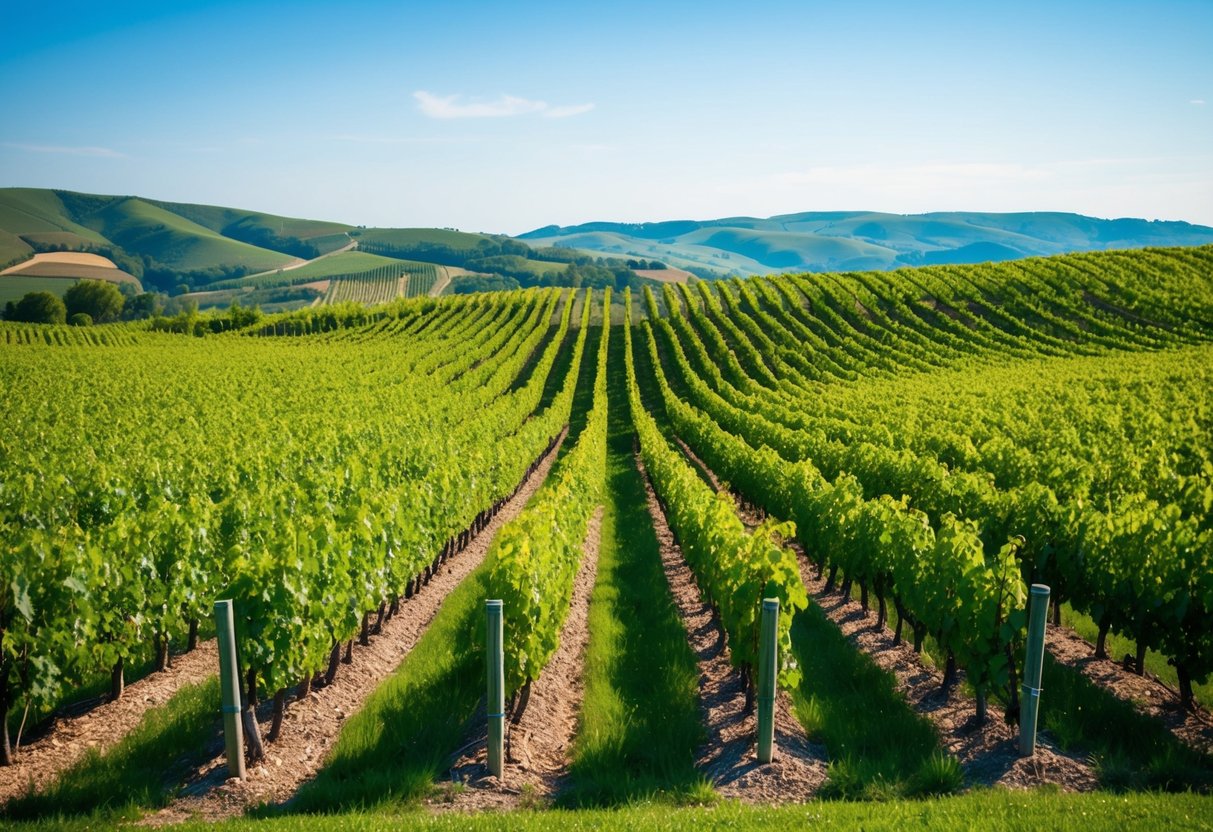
x=143, y=771
x=640, y=719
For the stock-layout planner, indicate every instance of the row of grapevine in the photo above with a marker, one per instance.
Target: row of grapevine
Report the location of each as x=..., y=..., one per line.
x=248, y=478
x=735, y=569
x=1063, y=435
x=382, y=285
x=14, y=334
x=536, y=557
x=942, y=581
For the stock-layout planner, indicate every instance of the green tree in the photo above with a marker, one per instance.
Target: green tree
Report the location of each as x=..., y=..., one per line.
x=39, y=308
x=80, y=319
x=99, y=299
x=145, y=305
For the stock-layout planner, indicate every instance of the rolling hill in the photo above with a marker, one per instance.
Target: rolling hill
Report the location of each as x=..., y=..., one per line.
x=176, y=246
x=860, y=240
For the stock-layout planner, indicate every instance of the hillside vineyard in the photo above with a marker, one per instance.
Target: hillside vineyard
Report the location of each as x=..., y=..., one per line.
x=936, y=438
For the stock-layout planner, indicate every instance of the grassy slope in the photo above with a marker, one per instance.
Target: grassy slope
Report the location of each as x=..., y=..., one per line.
x=347, y=262
x=35, y=210
x=142, y=227
x=327, y=236
x=14, y=287
x=41, y=215
x=413, y=236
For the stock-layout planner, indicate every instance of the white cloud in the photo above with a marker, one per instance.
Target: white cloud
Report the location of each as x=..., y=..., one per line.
x=1199, y=102
x=102, y=152
x=453, y=106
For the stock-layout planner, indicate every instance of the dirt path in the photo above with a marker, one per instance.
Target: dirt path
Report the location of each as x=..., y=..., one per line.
x=444, y=280
x=538, y=747
x=104, y=726
x=1147, y=694
x=728, y=757
x=312, y=725
x=990, y=754
x=299, y=262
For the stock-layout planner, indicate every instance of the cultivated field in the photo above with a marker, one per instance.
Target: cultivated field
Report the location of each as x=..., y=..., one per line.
x=57, y=271
x=894, y=457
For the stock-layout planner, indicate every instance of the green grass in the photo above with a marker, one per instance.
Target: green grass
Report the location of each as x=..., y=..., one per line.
x=38, y=210
x=326, y=236
x=1131, y=751
x=14, y=287
x=345, y=263
x=640, y=717
x=97, y=685
x=413, y=236
x=12, y=249
x=393, y=750
x=173, y=240
x=978, y=811
x=143, y=770
x=1119, y=646
x=876, y=743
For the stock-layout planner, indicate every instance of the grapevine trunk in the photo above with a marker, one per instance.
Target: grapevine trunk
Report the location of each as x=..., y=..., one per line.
x=117, y=682
x=6, y=751
x=523, y=699
x=1185, y=686
x=279, y=710
x=162, y=656
x=334, y=661
x=949, y=673
x=1101, y=649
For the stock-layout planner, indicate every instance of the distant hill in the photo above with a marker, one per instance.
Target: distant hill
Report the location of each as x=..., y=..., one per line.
x=860, y=240
x=177, y=246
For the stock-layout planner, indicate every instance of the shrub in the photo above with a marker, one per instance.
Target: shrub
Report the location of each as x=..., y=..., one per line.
x=99, y=299
x=81, y=319
x=39, y=308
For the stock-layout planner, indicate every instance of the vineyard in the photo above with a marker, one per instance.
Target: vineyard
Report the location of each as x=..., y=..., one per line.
x=383, y=284
x=894, y=457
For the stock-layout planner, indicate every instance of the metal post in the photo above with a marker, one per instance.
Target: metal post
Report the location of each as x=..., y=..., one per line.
x=1029, y=706
x=496, y=685
x=768, y=668
x=229, y=687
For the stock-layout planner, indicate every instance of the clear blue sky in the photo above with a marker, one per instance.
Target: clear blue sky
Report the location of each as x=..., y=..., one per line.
x=490, y=117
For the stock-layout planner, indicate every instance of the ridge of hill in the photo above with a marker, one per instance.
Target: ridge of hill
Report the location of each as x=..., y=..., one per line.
x=821, y=241
x=180, y=247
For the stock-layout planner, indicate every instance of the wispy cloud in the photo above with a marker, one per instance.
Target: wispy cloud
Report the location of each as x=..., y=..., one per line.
x=455, y=106
x=1199, y=102
x=63, y=150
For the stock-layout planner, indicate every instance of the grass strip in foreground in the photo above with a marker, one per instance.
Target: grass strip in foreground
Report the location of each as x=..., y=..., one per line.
x=640, y=717
x=143, y=770
x=999, y=809
x=392, y=751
